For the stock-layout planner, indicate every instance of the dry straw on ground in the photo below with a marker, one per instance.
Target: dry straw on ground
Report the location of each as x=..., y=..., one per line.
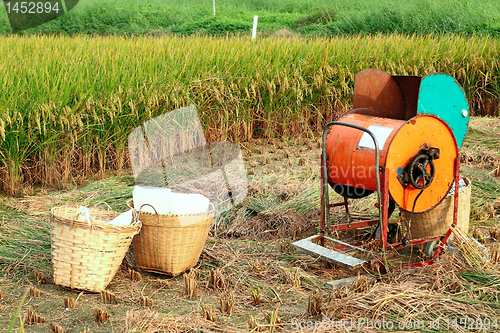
x=436, y=291
x=134, y=275
x=146, y=302
x=34, y=292
x=56, y=328
x=108, y=297
x=254, y=325
x=149, y=321
x=190, y=284
x=163, y=283
x=470, y=251
x=216, y=280
x=272, y=224
x=69, y=302
x=33, y=318
x=227, y=301
x=315, y=303
x=40, y=277
x=101, y=316
x=208, y=313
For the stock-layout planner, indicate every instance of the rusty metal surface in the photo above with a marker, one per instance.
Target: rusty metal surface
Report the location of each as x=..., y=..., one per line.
x=410, y=86
x=351, y=160
x=377, y=90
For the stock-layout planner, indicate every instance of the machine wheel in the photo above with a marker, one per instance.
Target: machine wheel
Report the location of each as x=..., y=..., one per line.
x=394, y=229
x=431, y=248
x=376, y=235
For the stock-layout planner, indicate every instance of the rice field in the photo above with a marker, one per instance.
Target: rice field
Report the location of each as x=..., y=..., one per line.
x=67, y=104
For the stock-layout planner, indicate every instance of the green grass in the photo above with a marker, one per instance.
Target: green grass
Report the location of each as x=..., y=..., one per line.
x=320, y=17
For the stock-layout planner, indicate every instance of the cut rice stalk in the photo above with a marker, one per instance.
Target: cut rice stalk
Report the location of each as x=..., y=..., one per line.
x=471, y=251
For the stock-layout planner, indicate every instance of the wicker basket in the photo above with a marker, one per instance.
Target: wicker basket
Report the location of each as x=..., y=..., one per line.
x=164, y=246
x=437, y=221
x=87, y=257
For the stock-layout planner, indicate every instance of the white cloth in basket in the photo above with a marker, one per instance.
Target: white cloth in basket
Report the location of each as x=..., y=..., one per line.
x=167, y=202
x=123, y=219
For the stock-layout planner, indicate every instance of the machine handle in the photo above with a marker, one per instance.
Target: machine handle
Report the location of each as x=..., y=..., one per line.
x=324, y=174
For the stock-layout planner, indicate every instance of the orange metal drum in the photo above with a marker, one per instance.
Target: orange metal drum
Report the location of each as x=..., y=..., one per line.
x=351, y=156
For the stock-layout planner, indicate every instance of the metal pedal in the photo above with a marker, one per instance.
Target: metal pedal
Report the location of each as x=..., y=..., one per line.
x=307, y=246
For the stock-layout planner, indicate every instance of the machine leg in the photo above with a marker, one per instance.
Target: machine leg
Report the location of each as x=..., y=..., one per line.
x=385, y=208
x=322, y=226
x=346, y=205
x=455, y=209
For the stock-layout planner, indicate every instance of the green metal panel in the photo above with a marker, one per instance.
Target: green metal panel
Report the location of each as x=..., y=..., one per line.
x=442, y=96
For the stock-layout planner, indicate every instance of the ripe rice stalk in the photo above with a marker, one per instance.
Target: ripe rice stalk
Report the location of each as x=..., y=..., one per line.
x=238, y=100
x=470, y=251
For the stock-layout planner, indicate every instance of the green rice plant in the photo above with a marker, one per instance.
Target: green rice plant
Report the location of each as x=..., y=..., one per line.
x=68, y=104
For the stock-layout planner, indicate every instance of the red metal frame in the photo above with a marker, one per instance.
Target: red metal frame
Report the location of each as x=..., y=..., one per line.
x=384, y=211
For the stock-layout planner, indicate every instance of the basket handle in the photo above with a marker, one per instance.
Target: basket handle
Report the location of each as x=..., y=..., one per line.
x=146, y=204
x=103, y=202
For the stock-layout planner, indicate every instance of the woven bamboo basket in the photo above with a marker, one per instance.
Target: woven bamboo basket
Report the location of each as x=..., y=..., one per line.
x=165, y=246
x=87, y=256
x=438, y=220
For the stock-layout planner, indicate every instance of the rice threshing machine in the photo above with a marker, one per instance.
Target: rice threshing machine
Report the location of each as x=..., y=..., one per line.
x=400, y=140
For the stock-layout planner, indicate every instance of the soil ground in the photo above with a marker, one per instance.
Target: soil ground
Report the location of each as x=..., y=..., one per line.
x=250, y=249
